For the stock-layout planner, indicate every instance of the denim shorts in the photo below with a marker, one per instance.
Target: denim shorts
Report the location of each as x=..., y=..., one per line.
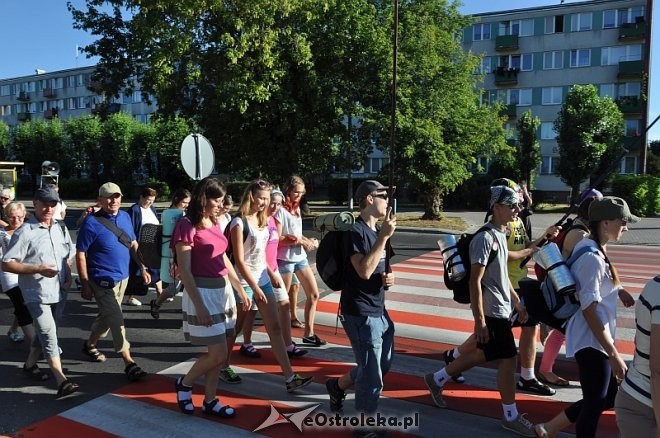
x=287, y=267
x=266, y=288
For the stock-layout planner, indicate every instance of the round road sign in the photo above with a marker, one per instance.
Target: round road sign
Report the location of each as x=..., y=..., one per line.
x=197, y=156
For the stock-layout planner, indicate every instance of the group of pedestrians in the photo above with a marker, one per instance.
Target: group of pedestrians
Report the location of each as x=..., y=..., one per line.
x=590, y=333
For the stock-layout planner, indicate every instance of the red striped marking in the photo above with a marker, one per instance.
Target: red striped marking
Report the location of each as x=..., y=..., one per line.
x=56, y=427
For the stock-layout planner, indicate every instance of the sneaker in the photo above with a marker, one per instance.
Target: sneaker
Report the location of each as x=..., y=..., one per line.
x=228, y=375
x=521, y=425
x=337, y=395
x=533, y=385
x=313, y=341
x=298, y=382
x=448, y=356
x=436, y=391
x=154, y=309
x=169, y=300
x=15, y=335
x=296, y=351
x=132, y=301
x=249, y=351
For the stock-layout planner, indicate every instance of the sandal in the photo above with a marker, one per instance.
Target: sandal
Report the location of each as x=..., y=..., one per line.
x=35, y=373
x=154, y=309
x=558, y=381
x=296, y=323
x=67, y=387
x=93, y=353
x=184, y=397
x=134, y=372
x=211, y=408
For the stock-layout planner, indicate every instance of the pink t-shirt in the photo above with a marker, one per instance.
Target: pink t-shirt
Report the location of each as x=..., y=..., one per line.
x=208, y=247
x=273, y=241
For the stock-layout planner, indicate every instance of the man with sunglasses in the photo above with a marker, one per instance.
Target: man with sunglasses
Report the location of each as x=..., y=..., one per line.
x=362, y=302
x=492, y=297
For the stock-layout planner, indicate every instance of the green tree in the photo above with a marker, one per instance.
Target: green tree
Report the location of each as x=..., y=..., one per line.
x=37, y=141
x=119, y=154
x=167, y=149
x=653, y=159
x=83, y=146
x=528, y=149
x=5, y=139
x=589, y=131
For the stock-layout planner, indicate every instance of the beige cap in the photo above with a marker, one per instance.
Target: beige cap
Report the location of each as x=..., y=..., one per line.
x=108, y=189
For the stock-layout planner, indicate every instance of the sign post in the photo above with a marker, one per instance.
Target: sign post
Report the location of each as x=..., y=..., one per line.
x=197, y=156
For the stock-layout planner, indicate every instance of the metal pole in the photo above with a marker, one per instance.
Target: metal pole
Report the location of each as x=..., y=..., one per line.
x=349, y=154
x=646, y=86
x=395, y=40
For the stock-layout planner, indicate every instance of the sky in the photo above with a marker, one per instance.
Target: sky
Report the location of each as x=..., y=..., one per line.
x=42, y=37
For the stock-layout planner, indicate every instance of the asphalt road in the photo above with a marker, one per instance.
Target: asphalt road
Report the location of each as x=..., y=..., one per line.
x=155, y=345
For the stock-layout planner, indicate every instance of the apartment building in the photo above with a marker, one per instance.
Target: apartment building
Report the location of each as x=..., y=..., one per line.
x=533, y=56
x=64, y=94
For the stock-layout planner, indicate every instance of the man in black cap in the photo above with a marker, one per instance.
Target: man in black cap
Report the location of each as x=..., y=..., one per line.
x=363, y=313
x=40, y=253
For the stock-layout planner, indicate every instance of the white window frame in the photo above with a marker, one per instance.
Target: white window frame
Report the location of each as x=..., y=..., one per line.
x=548, y=165
x=548, y=131
x=576, y=58
x=629, y=89
x=552, y=95
x=484, y=31
x=615, y=54
x=553, y=60
x=632, y=127
x=550, y=24
x=607, y=90
x=628, y=165
x=524, y=96
x=581, y=22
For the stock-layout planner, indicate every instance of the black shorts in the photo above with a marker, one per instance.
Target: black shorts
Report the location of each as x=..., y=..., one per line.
x=501, y=344
x=22, y=314
x=531, y=322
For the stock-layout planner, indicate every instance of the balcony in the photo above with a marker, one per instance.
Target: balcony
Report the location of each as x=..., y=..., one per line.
x=24, y=117
x=506, y=76
x=633, y=31
x=632, y=142
x=509, y=111
x=50, y=113
x=630, y=69
x=23, y=96
x=629, y=104
x=49, y=92
x=504, y=43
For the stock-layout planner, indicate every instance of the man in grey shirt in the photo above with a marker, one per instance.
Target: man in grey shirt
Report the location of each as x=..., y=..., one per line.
x=491, y=298
x=40, y=253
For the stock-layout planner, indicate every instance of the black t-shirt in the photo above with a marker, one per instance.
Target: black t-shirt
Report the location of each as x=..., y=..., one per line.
x=361, y=297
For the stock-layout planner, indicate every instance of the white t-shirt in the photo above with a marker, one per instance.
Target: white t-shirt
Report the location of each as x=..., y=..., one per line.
x=290, y=225
x=148, y=216
x=254, y=251
x=594, y=284
x=7, y=279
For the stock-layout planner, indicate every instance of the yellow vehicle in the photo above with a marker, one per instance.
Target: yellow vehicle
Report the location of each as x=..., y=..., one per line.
x=9, y=175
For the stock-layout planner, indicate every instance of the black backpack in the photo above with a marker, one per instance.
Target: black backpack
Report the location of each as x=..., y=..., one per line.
x=461, y=287
x=331, y=258
x=246, y=233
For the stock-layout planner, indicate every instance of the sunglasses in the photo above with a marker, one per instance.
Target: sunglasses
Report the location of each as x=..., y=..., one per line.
x=263, y=185
x=384, y=196
x=513, y=206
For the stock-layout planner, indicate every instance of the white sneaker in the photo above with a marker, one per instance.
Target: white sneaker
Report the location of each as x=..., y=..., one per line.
x=132, y=301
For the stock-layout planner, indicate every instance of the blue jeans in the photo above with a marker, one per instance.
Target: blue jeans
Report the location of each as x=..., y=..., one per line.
x=372, y=339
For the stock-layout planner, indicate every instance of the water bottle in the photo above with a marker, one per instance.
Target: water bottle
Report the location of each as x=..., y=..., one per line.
x=550, y=258
x=452, y=260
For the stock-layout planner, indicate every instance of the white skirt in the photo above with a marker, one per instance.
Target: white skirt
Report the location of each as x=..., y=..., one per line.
x=221, y=305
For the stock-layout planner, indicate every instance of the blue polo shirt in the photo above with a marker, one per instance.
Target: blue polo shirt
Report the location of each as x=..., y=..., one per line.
x=107, y=258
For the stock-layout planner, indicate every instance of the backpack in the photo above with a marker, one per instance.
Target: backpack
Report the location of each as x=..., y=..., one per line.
x=461, y=287
x=541, y=273
x=547, y=305
x=150, y=245
x=331, y=258
x=246, y=233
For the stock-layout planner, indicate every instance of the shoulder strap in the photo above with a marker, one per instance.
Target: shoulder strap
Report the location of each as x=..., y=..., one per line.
x=580, y=252
x=246, y=230
x=493, y=253
x=114, y=229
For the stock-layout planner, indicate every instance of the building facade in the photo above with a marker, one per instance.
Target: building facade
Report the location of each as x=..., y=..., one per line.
x=64, y=94
x=533, y=56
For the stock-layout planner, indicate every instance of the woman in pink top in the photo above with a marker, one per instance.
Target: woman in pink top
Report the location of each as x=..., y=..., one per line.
x=208, y=305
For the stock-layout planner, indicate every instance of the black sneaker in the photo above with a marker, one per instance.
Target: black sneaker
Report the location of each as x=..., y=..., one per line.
x=313, y=341
x=337, y=395
x=533, y=385
x=448, y=356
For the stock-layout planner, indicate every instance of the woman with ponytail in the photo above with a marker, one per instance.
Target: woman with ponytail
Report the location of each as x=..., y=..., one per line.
x=590, y=333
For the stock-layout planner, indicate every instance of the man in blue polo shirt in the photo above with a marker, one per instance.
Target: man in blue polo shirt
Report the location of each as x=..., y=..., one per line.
x=104, y=246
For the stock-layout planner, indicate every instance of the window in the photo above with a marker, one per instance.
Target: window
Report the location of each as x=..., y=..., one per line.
x=519, y=97
x=553, y=60
x=137, y=96
x=630, y=89
x=517, y=27
x=481, y=31
x=629, y=165
x=581, y=22
x=607, y=90
x=580, y=58
x=632, y=127
x=484, y=66
x=616, y=17
x=58, y=83
x=548, y=165
x=554, y=24
x=616, y=54
x=5, y=90
x=482, y=164
x=551, y=96
x=548, y=131
x=72, y=103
